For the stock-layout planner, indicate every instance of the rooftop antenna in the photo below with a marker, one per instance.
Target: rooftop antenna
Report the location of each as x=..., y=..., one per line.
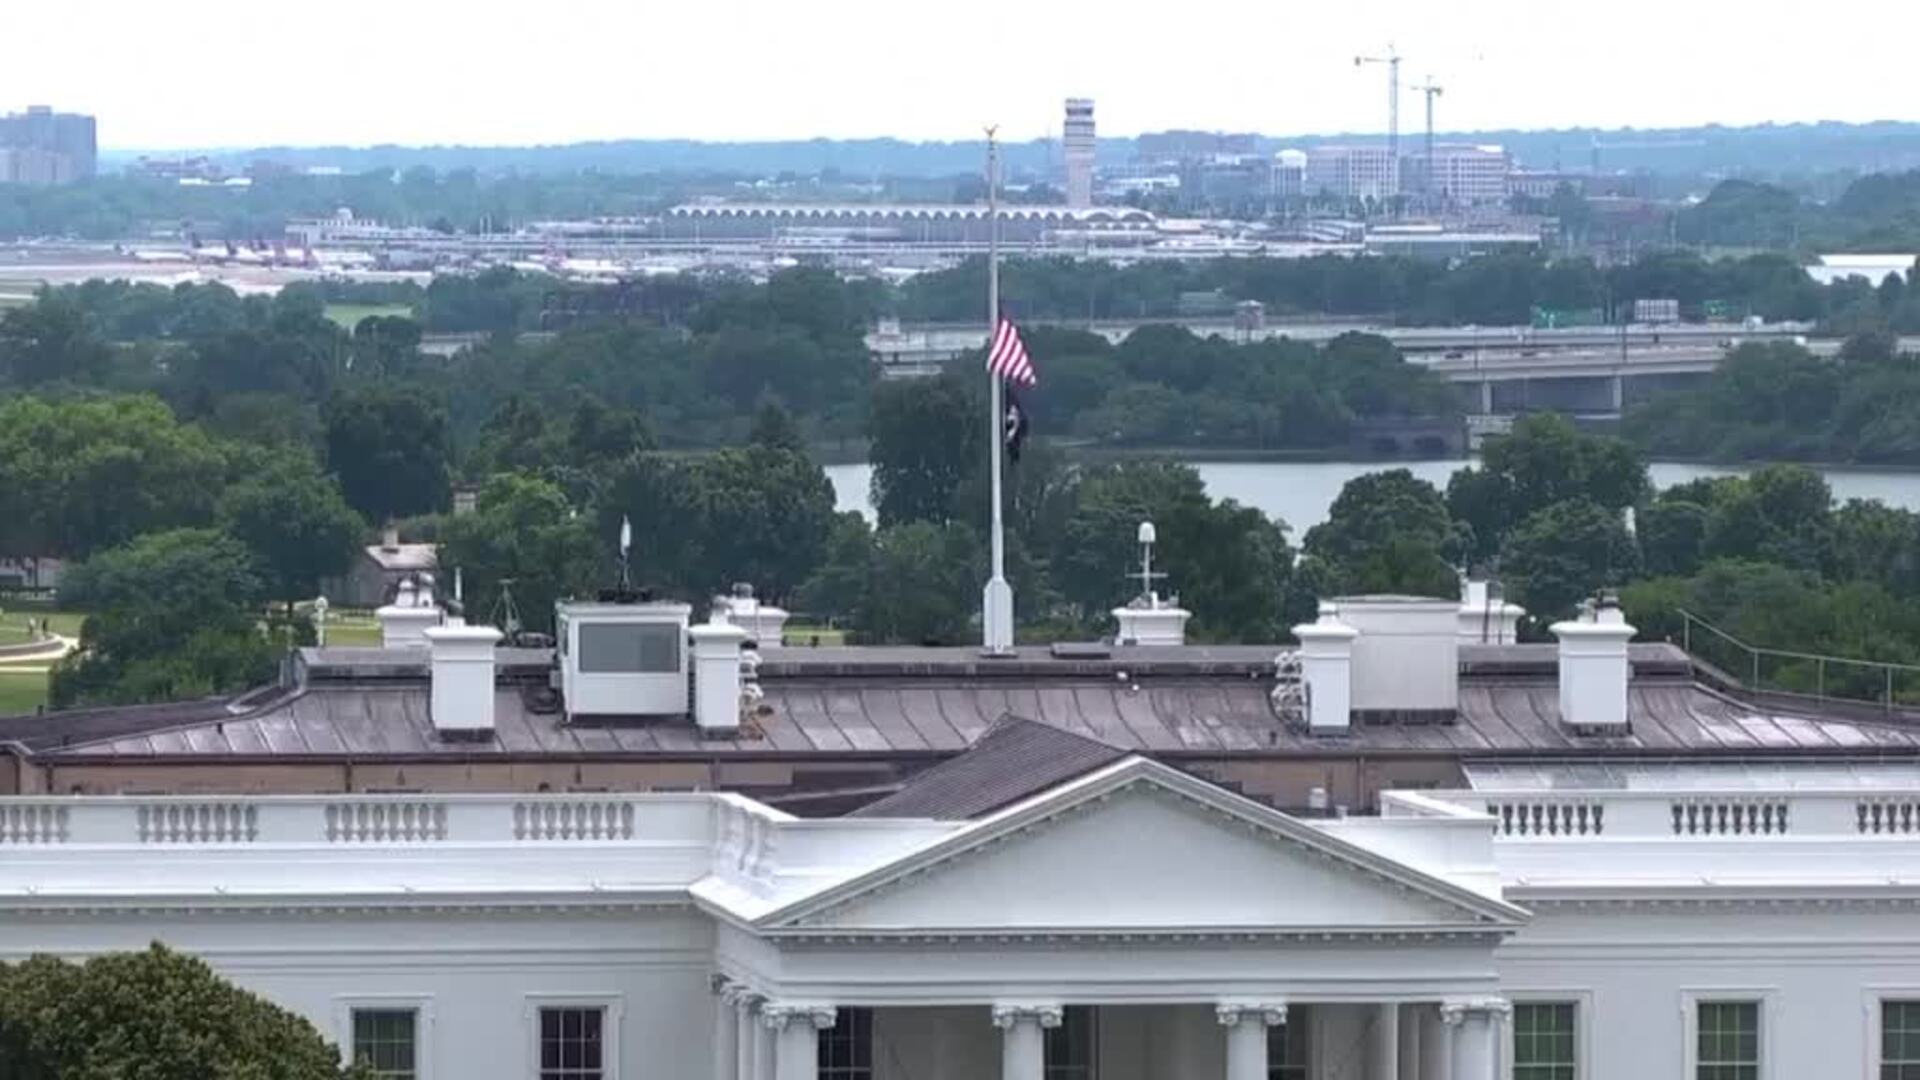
x=1147, y=538
x=506, y=614
x=626, y=546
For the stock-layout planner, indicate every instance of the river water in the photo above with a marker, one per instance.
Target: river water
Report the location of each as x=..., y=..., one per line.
x=1299, y=493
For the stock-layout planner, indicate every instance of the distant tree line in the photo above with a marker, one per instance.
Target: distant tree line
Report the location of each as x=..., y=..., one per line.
x=1494, y=290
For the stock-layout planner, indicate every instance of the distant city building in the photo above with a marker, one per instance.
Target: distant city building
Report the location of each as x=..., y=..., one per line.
x=1352, y=172
x=1537, y=184
x=1079, y=143
x=1175, y=147
x=181, y=169
x=1463, y=174
x=44, y=147
x=1289, y=174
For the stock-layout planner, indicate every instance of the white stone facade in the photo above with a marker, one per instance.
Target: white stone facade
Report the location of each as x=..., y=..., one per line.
x=1137, y=920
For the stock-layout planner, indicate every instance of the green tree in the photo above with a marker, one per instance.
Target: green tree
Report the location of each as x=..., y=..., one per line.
x=1673, y=535
x=922, y=585
x=1387, y=532
x=175, y=615
x=294, y=519
x=1559, y=555
x=1229, y=564
x=48, y=342
x=78, y=475
x=759, y=514
x=1545, y=460
x=153, y=1015
x=524, y=532
x=389, y=446
x=928, y=436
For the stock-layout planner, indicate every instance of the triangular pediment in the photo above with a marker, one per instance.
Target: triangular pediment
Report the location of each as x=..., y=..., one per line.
x=1140, y=847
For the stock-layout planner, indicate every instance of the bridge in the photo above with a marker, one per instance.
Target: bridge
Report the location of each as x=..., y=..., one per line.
x=1502, y=371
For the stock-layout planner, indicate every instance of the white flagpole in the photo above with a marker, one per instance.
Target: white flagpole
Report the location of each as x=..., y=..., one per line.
x=996, y=615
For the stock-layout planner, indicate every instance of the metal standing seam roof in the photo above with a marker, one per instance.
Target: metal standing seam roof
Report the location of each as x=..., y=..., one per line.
x=937, y=713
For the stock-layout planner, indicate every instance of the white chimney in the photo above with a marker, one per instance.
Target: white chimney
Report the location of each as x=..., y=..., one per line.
x=462, y=657
x=404, y=622
x=1407, y=660
x=716, y=676
x=1149, y=618
x=1485, y=617
x=1594, y=669
x=1326, y=667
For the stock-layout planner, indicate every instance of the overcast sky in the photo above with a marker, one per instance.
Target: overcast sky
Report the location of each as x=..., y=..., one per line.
x=179, y=73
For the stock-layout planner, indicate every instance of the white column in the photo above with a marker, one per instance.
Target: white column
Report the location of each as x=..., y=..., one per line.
x=1023, y=1044
x=763, y=1043
x=1436, y=1055
x=1475, y=1023
x=1247, y=1037
x=746, y=1030
x=1383, y=1043
x=1411, y=1050
x=726, y=1030
x=796, y=1033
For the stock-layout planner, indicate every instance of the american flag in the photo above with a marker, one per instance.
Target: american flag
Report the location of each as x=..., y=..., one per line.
x=1008, y=357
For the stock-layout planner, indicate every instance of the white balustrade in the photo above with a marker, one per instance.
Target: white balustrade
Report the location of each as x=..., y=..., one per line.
x=573, y=819
x=364, y=822
x=198, y=823
x=33, y=823
x=1730, y=815
x=1547, y=817
x=1690, y=815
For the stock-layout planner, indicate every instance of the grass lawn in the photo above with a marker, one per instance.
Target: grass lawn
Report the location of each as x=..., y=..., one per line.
x=353, y=630
x=21, y=692
x=802, y=634
x=348, y=316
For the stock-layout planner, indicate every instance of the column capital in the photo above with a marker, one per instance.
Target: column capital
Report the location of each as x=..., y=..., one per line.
x=779, y=1014
x=739, y=995
x=1456, y=1011
x=1006, y=1016
x=1266, y=1013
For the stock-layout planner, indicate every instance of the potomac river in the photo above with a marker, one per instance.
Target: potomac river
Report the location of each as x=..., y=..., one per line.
x=1299, y=493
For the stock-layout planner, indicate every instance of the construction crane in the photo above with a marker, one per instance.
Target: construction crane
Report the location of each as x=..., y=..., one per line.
x=1392, y=60
x=1432, y=90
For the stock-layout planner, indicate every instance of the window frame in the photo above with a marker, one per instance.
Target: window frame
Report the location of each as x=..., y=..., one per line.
x=1761, y=997
x=1299, y=1030
x=842, y=1023
x=1583, y=1011
x=345, y=1005
x=1873, y=1001
x=1087, y=1070
x=668, y=633
x=612, y=1008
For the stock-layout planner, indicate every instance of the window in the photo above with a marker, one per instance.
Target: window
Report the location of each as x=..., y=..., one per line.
x=846, y=1048
x=386, y=1042
x=1729, y=1041
x=1900, y=1040
x=1287, y=1046
x=629, y=648
x=572, y=1044
x=1069, y=1047
x=1543, y=1041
